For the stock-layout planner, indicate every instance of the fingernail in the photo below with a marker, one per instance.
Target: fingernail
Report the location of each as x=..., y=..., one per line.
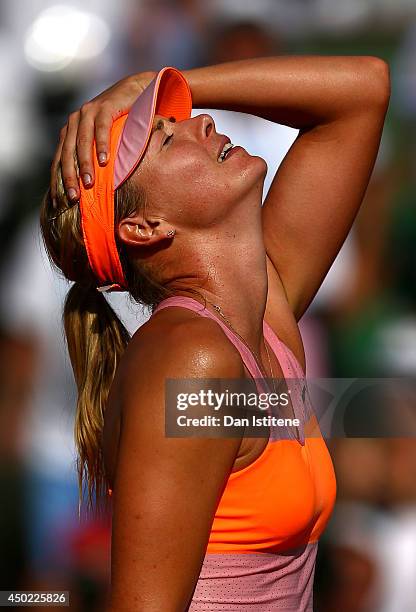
x=86, y=178
x=72, y=194
x=102, y=158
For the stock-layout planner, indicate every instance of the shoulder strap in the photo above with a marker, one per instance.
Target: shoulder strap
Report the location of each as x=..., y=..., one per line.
x=188, y=302
x=291, y=367
x=294, y=376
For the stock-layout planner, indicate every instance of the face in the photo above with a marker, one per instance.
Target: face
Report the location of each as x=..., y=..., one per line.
x=185, y=182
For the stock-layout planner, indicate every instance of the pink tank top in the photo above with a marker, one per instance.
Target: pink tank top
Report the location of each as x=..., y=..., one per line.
x=263, y=542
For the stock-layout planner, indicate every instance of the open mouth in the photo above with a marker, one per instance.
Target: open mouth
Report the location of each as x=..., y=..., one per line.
x=225, y=150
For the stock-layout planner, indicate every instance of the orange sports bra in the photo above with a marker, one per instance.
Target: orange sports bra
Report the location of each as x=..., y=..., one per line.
x=263, y=541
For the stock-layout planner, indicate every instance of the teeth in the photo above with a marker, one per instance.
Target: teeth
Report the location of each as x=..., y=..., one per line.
x=227, y=147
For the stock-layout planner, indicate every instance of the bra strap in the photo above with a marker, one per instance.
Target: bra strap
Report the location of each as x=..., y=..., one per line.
x=188, y=302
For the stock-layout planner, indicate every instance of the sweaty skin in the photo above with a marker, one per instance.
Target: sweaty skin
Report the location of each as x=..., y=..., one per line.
x=260, y=262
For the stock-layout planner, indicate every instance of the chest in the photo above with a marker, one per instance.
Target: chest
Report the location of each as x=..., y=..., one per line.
x=279, y=503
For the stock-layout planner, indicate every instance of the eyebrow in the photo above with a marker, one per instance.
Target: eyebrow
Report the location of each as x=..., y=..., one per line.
x=164, y=120
x=156, y=129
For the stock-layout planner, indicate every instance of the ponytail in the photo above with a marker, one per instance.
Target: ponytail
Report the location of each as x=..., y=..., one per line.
x=96, y=340
x=95, y=336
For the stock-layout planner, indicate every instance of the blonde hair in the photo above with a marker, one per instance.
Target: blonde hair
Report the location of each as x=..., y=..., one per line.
x=96, y=338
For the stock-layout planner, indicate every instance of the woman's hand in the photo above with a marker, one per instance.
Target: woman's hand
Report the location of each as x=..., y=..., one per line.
x=94, y=119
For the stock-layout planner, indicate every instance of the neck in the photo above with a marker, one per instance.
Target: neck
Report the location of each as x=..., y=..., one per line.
x=232, y=275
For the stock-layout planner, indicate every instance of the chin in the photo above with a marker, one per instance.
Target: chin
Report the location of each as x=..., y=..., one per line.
x=255, y=172
x=256, y=164
x=261, y=163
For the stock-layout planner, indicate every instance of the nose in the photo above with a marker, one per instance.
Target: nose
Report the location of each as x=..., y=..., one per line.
x=206, y=125
x=200, y=127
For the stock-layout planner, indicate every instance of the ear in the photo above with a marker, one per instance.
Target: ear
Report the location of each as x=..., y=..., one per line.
x=136, y=231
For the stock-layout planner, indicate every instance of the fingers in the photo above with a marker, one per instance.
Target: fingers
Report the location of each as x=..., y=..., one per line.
x=77, y=136
x=93, y=120
x=85, y=137
x=89, y=122
x=103, y=124
x=55, y=162
x=69, y=174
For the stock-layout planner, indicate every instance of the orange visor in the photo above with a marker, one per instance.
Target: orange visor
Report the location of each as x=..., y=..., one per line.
x=167, y=95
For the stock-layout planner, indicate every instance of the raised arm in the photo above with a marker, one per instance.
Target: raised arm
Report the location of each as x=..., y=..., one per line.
x=166, y=489
x=339, y=105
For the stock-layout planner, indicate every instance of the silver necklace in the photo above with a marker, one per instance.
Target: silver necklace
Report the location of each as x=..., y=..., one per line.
x=258, y=361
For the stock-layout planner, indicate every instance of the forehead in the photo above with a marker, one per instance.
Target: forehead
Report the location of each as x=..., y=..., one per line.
x=151, y=146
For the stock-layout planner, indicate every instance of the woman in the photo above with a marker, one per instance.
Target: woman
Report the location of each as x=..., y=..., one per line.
x=220, y=523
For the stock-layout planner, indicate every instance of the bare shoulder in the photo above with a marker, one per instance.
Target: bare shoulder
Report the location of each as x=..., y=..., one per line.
x=173, y=345
x=182, y=343
x=166, y=489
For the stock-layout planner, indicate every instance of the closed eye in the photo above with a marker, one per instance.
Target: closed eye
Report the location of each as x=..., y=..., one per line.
x=167, y=139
